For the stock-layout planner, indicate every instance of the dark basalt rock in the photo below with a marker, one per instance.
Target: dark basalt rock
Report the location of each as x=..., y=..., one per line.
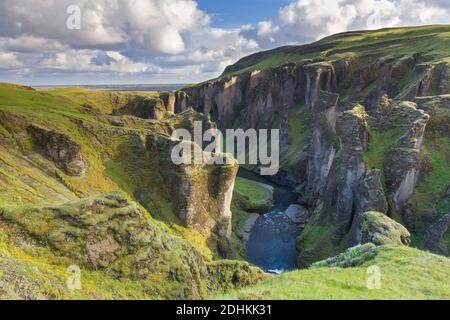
x=59, y=148
x=435, y=235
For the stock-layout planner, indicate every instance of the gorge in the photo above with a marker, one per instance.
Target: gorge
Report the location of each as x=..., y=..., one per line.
x=86, y=179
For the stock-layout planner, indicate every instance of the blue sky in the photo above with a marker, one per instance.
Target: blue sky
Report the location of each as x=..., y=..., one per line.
x=234, y=13
x=175, y=41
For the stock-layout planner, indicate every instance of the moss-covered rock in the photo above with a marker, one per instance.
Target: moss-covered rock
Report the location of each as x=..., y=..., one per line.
x=60, y=148
x=227, y=275
x=112, y=234
x=437, y=237
x=381, y=230
x=353, y=257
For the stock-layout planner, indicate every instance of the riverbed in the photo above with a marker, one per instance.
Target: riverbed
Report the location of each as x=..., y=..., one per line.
x=271, y=245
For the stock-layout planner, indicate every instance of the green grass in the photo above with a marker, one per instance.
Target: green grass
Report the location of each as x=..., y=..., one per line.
x=299, y=134
x=432, y=186
x=406, y=273
x=379, y=145
x=432, y=41
x=318, y=240
x=256, y=194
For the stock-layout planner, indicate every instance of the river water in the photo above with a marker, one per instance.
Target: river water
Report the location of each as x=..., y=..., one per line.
x=271, y=245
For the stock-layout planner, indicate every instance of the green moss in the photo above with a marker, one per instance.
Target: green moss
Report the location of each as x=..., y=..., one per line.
x=37, y=273
x=432, y=186
x=380, y=143
x=299, y=135
x=416, y=240
x=406, y=273
x=227, y=275
x=318, y=240
x=352, y=257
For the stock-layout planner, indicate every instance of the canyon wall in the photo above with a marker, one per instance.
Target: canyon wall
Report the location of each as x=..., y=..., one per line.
x=346, y=106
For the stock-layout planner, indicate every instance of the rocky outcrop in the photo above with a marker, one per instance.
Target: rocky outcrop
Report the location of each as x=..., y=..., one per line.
x=370, y=197
x=298, y=214
x=199, y=193
x=434, y=237
x=145, y=108
x=59, y=148
x=351, y=258
x=403, y=163
x=112, y=234
x=348, y=168
x=226, y=275
x=323, y=146
x=381, y=230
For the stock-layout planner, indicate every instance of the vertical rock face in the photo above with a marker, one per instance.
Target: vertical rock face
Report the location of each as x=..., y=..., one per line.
x=370, y=197
x=435, y=235
x=202, y=193
x=59, y=148
x=322, y=149
x=381, y=230
x=403, y=162
x=248, y=101
x=348, y=168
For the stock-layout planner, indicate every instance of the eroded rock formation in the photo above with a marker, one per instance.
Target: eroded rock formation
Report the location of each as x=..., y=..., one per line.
x=364, y=119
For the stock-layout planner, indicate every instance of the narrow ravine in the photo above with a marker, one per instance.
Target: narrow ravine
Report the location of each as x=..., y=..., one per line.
x=271, y=245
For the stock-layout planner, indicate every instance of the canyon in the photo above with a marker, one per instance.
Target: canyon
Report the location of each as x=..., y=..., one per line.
x=86, y=176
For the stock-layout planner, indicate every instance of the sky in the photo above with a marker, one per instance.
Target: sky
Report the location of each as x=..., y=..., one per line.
x=70, y=42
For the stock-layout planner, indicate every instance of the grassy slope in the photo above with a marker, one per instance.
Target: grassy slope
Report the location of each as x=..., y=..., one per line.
x=431, y=40
x=255, y=193
x=406, y=273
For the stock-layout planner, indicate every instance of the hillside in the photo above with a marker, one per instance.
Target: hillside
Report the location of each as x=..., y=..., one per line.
x=86, y=183
x=405, y=274
x=432, y=41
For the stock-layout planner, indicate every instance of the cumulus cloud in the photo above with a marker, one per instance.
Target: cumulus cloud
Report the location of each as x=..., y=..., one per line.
x=9, y=61
x=93, y=61
x=319, y=18
x=174, y=39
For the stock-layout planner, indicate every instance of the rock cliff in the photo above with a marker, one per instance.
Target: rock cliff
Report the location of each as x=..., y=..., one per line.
x=353, y=112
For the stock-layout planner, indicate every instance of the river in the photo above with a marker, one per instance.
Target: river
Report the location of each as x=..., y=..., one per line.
x=271, y=245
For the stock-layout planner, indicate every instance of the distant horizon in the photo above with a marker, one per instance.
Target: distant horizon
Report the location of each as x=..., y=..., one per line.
x=117, y=87
x=103, y=84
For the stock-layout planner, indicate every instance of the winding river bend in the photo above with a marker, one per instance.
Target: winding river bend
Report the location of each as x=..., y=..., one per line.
x=271, y=245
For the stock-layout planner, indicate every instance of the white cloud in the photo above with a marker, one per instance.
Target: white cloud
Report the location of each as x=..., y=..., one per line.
x=9, y=61
x=84, y=61
x=174, y=38
x=318, y=18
